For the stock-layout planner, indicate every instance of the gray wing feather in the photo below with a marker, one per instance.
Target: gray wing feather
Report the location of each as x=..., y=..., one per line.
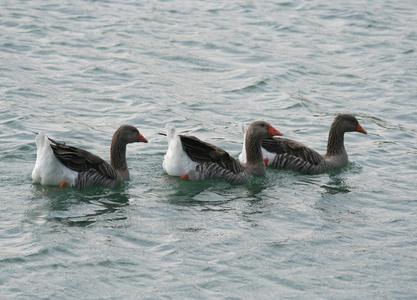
x=81, y=160
x=293, y=155
x=203, y=152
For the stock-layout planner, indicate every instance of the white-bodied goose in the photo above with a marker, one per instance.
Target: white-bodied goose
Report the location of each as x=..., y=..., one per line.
x=59, y=164
x=191, y=158
x=289, y=154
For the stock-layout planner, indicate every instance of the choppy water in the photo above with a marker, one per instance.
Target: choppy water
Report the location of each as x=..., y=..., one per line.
x=79, y=69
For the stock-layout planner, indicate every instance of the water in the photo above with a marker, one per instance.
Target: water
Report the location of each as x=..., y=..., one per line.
x=77, y=70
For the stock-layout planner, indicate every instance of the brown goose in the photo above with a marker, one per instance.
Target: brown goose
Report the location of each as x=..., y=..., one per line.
x=59, y=164
x=289, y=154
x=191, y=158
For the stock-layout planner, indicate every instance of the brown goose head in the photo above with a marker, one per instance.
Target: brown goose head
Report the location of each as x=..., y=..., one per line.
x=347, y=123
x=128, y=134
x=261, y=130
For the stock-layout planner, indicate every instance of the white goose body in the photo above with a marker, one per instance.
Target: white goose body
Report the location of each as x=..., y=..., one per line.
x=58, y=164
x=48, y=169
x=176, y=161
x=198, y=160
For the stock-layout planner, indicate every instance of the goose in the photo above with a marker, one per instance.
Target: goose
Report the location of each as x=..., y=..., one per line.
x=289, y=154
x=193, y=159
x=60, y=164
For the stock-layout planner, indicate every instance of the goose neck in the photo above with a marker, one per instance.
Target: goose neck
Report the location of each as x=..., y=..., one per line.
x=118, y=156
x=335, y=144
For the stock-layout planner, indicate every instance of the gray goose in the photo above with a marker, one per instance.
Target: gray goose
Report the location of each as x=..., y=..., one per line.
x=60, y=164
x=193, y=159
x=289, y=154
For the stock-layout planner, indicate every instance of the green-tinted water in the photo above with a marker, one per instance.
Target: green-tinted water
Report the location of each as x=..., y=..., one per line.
x=79, y=70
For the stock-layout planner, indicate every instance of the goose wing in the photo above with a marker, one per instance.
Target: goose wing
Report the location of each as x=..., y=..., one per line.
x=80, y=160
x=203, y=152
x=291, y=149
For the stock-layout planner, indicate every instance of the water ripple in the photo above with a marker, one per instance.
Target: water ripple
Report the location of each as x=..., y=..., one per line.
x=79, y=70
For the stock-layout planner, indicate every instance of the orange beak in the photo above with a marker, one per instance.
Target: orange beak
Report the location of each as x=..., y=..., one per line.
x=360, y=129
x=142, y=139
x=272, y=131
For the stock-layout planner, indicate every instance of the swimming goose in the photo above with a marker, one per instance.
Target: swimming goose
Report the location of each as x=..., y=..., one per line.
x=289, y=154
x=193, y=159
x=59, y=164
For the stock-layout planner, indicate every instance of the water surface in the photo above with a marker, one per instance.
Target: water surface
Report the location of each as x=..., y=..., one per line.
x=79, y=70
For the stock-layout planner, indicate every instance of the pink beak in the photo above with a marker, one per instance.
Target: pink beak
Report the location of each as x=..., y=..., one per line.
x=360, y=129
x=272, y=131
x=142, y=139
